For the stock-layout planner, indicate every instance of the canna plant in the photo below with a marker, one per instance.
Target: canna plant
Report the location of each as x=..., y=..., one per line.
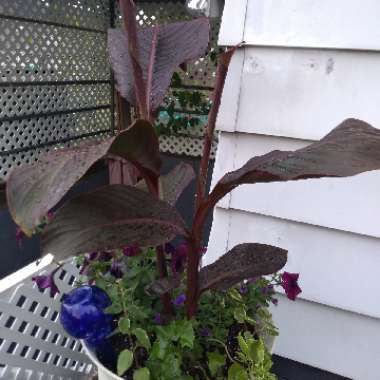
x=142, y=213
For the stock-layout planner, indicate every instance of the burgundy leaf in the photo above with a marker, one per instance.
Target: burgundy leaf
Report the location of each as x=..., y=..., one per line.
x=121, y=172
x=175, y=182
x=32, y=190
x=161, y=50
x=351, y=148
x=240, y=263
x=172, y=184
x=108, y=218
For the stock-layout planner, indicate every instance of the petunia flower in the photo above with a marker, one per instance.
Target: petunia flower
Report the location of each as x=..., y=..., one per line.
x=179, y=257
x=158, y=319
x=180, y=300
x=47, y=281
x=289, y=281
x=205, y=332
x=116, y=269
x=131, y=250
x=243, y=289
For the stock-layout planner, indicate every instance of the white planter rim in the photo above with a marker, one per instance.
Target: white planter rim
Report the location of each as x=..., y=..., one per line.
x=103, y=372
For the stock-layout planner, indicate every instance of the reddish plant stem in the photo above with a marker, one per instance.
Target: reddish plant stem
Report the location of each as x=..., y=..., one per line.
x=163, y=272
x=128, y=10
x=201, y=210
x=221, y=74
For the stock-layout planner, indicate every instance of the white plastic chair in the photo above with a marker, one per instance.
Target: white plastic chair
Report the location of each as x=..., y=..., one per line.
x=33, y=345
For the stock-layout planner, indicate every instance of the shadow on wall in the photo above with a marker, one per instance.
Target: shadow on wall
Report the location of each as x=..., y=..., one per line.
x=15, y=256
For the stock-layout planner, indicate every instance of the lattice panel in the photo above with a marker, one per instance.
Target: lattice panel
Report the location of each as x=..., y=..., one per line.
x=25, y=100
x=55, y=83
x=92, y=14
x=27, y=135
x=33, y=345
x=185, y=145
x=36, y=52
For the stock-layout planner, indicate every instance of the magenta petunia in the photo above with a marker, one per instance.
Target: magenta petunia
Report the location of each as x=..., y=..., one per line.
x=289, y=281
x=46, y=282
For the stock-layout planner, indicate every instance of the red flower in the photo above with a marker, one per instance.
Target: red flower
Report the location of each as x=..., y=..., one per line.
x=289, y=281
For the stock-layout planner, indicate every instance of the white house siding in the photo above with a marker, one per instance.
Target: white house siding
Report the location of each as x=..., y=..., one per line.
x=306, y=66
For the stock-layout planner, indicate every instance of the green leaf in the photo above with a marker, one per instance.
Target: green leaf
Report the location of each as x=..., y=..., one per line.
x=124, y=361
x=215, y=361
x=115, y=308
x=136, y=312
x=159, y=349
x=256, y=350
x=166, y=332
x=124, y=325
x=237, y=372
x=185, y=332
x=243, y=345
x=240, y=314
x=142, y=338
x=141, y=374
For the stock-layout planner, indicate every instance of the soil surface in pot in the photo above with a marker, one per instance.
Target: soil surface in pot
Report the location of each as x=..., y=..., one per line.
x=108, y=353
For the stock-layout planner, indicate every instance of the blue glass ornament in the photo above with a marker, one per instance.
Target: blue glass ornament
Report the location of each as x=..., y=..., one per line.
x=83, y=317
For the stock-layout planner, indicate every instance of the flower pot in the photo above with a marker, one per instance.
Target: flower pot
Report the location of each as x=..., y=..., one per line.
x=103, y=372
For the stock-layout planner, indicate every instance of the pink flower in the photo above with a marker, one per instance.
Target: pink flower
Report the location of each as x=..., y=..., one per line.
x=47, y=281
x=289, y=281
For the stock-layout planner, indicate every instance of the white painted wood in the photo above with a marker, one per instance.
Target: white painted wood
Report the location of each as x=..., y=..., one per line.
x=305, y=93
x=308, y=65
x=337, y=269
x=233, y=22
x=219, y=236
x=340, y=342
x=228, y=113
x=342, y=24
x=346, y=204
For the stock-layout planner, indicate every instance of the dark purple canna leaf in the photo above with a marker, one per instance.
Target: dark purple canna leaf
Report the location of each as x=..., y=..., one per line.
x=109, y=218
x=351, y=148
x=240, y=263
x=175, y=182
x=32, y=190
x=172, y=185
x=161, y=50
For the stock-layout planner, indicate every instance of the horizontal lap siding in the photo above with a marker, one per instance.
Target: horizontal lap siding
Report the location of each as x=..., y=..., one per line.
x=306, y=66
x=337, y=268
